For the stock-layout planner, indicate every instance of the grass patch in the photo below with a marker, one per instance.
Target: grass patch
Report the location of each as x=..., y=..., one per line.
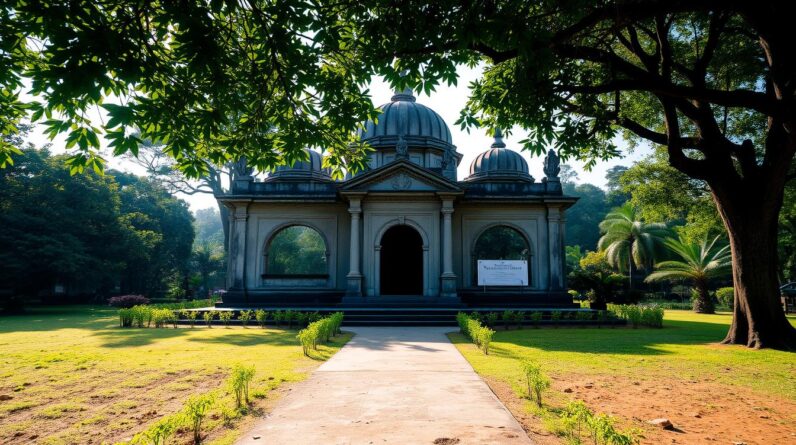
x=686, y=347
x=76, y=363
x=685, y=350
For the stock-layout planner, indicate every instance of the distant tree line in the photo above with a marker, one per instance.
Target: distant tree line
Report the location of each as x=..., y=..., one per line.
x=677, y=232
x=85, y=237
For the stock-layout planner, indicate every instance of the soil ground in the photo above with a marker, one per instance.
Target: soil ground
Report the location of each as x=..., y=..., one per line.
x=712, y=393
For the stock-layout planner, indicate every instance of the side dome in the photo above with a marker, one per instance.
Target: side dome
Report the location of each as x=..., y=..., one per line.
x=310, y=168
x=499, y=163
x=403, y=116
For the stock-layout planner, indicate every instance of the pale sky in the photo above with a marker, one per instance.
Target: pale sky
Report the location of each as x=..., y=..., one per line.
x=448, y=102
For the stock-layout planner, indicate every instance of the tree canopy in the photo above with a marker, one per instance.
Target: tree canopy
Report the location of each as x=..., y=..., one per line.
x=211, y=80
x=89, y=235
x=711, y=81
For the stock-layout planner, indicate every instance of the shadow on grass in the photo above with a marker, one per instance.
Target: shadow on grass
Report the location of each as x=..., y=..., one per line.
x=622, y=341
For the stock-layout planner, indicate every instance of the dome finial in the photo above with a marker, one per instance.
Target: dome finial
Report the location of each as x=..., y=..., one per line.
x=498, y=139
x=406, y=94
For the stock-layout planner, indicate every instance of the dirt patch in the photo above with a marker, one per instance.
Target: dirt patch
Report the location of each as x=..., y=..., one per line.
x=519, y=409
x=101, y=417
x=446, y=441
x=702, y=412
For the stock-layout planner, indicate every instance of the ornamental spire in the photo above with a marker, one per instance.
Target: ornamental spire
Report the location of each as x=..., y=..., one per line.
x=406, y=94
x=498, y=139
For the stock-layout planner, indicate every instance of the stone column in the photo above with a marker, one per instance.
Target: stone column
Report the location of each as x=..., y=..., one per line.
x=237, y=246
x=448, y=277
x=354, y=276
x=556, y=249
x=562, y=232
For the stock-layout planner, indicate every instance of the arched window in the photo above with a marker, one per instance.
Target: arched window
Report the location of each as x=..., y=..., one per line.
x=296, y=251
x=501, y=243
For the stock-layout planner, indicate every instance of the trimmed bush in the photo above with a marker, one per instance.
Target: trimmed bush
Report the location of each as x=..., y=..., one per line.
x=225, y=317
x=508, y=319
x=278, y=317
x=208, y=317
x=261, y=316
x=480, y=335
x=492, y=319
x=128, y=301
x=319, y=331
x=651, y=316
x=536, y=318
x=244, y=317
x=190, y=316
x=726, y=296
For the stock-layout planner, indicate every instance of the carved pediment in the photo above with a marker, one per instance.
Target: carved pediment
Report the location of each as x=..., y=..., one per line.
x=400, y=176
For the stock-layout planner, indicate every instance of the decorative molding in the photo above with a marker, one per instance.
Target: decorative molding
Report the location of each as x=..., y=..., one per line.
x=401, y=181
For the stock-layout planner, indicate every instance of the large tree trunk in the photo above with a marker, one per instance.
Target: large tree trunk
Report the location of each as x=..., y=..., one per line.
x=750, y=214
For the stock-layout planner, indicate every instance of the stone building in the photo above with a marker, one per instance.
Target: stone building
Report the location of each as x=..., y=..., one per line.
x=406, y=229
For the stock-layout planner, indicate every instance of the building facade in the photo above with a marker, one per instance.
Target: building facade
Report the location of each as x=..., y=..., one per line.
x=407, y=227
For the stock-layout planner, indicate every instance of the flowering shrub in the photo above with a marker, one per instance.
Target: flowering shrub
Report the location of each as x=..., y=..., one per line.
x=128, y=301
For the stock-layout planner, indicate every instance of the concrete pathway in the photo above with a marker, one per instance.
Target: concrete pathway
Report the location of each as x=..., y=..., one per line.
x=405, y=385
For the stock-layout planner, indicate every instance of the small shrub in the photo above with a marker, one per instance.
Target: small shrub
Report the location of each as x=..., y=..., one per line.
x=491, y=319
x=535, y=381
x=508, y=318
x=159, y=433
x=278, y=318
x=261, y=316
x=126, y=317
x=196, y=409
x=239, y=382
x=208, y=316
x=302, y=319
x=319, y=331
x=536, y=318
x=128, y=301
x=602, y=317
x=555, y=316
x=583, y=315
x=190, y=316
x=290, y=317
x=575, y=417
x=244, y=317
x=726, y=296
x=640, y=315
x=161, y=317
x=480, y=335
x=225, y=317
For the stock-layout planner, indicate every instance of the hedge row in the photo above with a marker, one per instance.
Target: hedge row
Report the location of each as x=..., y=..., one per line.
x=146, y=316
x=639, y=315
x=475, y=331
x=320, y=332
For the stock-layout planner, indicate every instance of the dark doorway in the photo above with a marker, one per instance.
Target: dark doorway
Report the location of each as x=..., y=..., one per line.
x=401, y=262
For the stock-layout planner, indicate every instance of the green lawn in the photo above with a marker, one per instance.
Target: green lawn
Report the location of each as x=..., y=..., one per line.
x=685, y=346
x=684, y=351
x=74, y=376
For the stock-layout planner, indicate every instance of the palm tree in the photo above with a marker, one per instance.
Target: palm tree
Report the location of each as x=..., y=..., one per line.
x=627, y=241
x=698, y=263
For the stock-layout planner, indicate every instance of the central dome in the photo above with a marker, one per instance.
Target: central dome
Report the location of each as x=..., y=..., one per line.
x=403, y=116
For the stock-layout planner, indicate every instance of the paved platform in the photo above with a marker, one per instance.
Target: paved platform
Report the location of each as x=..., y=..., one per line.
x=405, y=385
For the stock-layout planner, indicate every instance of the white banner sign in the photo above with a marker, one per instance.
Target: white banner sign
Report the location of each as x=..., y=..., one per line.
x=502, y=273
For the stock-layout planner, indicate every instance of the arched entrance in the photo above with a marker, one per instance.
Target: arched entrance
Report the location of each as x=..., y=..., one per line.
x=401, y=262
